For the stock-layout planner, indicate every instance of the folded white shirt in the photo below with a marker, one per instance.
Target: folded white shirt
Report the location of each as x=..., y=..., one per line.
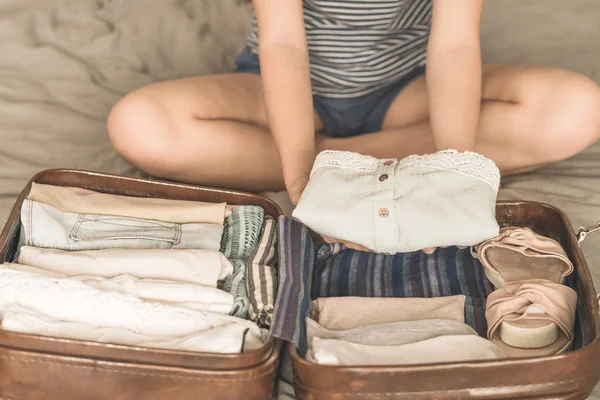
x=441, y=349
x=189, y=295
x=203, y=267
x=231, y=338
x=398, y=206
x=72, y=301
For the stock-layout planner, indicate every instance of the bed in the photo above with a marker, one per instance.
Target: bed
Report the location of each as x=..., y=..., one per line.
x=64, y=63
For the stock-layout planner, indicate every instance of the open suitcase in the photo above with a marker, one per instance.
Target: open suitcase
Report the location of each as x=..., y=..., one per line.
x=36, y=367
x=569, y=376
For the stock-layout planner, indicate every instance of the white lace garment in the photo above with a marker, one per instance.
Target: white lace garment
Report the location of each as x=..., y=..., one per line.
x=397, y=206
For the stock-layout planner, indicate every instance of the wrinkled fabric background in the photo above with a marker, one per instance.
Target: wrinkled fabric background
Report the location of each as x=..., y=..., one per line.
x=64, y=63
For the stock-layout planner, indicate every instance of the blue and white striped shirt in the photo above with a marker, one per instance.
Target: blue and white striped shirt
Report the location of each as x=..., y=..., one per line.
x=359, y=46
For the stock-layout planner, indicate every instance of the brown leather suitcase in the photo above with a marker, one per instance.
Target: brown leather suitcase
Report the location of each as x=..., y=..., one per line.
x=569, y=376
x=35, y=367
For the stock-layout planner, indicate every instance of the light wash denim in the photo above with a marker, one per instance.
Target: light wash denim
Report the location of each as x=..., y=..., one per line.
x=45, y=226
x=399, y=206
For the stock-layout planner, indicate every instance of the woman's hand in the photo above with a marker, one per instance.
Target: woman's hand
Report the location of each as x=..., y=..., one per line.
x=296, y=188
x=431, y=250
x=349, y=245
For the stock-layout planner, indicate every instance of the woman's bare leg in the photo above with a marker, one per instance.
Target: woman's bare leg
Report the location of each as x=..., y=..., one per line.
x=208, y=130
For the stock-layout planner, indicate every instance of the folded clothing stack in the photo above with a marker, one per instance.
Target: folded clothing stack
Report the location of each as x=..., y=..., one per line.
x=351, y=331
x=379, y=309
x=31, y=303
x=399, y=206
x=155, y=259
x=531, y=313
x=187, y=278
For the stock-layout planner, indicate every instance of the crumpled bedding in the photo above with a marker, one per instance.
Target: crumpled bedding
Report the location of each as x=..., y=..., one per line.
x=64, y=63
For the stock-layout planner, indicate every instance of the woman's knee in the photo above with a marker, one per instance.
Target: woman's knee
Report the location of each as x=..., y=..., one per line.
x=566, y=117
x=143, y=131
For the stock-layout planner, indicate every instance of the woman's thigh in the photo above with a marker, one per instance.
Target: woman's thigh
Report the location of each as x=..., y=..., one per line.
x=182, y=129
x=530, y=116
x=513, y=84
x=168, y=108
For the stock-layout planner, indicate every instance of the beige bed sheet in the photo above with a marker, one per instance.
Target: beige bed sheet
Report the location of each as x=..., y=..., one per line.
x=64, y=63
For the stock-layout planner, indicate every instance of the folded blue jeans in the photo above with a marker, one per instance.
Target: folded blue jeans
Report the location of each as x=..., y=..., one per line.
x=45, y=226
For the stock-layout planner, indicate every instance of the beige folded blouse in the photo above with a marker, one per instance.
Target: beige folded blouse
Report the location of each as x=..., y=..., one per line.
x=353, y=312
x=83, y=201
x=391, y=333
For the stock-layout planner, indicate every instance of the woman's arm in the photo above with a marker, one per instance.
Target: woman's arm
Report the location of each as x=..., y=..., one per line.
x=287, y=88
x=454, y=73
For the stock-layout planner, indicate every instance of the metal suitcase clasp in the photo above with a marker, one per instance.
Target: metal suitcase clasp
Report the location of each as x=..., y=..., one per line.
x=584, y=231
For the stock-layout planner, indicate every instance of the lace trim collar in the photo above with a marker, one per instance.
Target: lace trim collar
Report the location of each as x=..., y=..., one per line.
x=468, y=163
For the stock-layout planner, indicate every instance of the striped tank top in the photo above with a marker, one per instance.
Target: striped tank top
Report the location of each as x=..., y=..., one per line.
x=359, y=46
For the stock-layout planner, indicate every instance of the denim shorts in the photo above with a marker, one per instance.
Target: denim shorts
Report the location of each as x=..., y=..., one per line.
x=345, y=117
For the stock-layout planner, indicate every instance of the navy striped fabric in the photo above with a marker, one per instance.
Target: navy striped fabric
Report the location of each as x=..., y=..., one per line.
x=296, y=262
x=308, y=272
x=447, y=272
x=359, y=46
